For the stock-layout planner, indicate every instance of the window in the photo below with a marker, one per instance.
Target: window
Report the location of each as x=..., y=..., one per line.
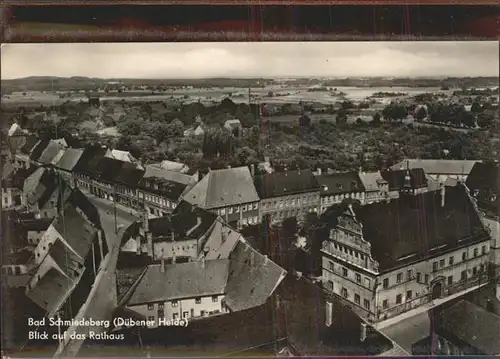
x=357, y=299
x=399, y=299
x=161, y=306
x=463, y=275
x=151, y=306
x=476, y=252
x=244, y=208
x=410, y=274
x=344, y=292
x=366, y=303
x=367, y=282
x=255, y=205
x=385, y=304
x=330, y=285
x=464, y=256
x=386, y=283
x=185, y=314
x=344, y=272
x=230, y=210
x=151, y=318
x=426, y=279
x=434, y=266
x=399, y=277
x=450, y=280
x=198, y=300
x=451, y=260
x=409, y=294
x=419, y=277
x=441, y=263
x=222, y=211
x=175, y=316
x=175, y=303
x=483, y=249
x=215, y=299
x=474, y=271
x=358, y=278
x=161, y=314
x=331, y=266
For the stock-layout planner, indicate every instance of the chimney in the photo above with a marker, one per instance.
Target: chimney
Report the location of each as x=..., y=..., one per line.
x=360, y=169
x=319, y=171
x=362, y=335
x=266, y=259
x=329, y=314
x=252, y=170
x=443, y=194
x=162, y=266
x=203, y=262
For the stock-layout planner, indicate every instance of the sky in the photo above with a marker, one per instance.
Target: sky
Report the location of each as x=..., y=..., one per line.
x=251, y=59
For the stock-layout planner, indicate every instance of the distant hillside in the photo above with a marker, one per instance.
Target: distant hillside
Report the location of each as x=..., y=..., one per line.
x=47, y=83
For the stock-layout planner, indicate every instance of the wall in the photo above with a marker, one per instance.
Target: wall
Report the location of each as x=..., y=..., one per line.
x=167, y=249
x=35, y=236
x=249, y=216
x=185, y=305
x=297, y=205
x=329, y=200
x=421, y=289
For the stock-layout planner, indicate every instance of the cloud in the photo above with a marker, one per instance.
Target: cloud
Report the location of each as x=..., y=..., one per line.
x=252, y=59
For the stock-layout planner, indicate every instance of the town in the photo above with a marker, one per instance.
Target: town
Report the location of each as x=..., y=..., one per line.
x=251, y=216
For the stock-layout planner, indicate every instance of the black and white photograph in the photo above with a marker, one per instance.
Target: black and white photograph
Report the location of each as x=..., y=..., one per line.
x=263, y=199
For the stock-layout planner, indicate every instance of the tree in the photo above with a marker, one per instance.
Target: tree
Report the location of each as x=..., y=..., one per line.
x=359, y=121
x=376, y=119
x=304, y=121
x=395, y=111
x=476, y=107
x=420, y=113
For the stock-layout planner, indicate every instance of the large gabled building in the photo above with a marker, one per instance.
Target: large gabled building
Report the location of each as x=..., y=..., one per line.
x=288, y=194
x=389, y=257
x=230, y=193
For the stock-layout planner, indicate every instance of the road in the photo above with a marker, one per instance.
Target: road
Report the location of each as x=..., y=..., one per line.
x=409, y=331
x=102, y=300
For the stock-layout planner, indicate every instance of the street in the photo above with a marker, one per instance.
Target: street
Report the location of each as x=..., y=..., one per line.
x=409, y=331
x=102, y=300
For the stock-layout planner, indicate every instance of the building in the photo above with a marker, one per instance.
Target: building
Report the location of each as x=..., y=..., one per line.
x=44, y=192
x=66, y=262
x=389, y=257
x=468, y=329
x=203, y=288
x=12, y=185
x=119, y=155
x=50, y=151
x=439, y=170
x=234, y=126
x=93, y=100
x=160, y=190
x=287, y=194
x=177, y=237
x=335, y=187
x=65, y=164
x=230, y=193
x=194, y=132
x=22, y=156
x=376, y=187
x=410, y=181
x=17, y=136
x=484, y=185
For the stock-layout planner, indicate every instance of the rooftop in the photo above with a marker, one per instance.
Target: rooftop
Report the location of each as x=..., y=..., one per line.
x=285, y=183
x=484, y=183
x=397, y=179
x=431, y=166
x=411, y=228
x=221, y=188
x=371, y=180
x=338, y=183
x=178, y=281
x=69, y=159
x=472, y=324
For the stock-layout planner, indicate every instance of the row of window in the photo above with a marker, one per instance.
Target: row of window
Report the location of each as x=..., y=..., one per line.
x=304, y=201
x=357, y=276
x=349, y=251
x=236, y=209
x=175, y=303
x=250, y=220
x=293, y=213
x=340, y=197
x=451, y=260
x=159, y=200
x=449, y=281
x=357, y=298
